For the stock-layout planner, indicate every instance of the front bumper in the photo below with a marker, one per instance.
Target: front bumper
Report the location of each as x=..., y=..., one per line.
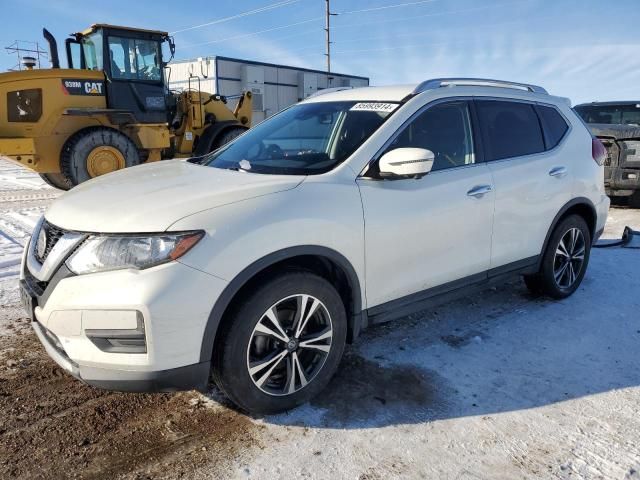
x=189, y=377
x=173, y=300
x=622, y=182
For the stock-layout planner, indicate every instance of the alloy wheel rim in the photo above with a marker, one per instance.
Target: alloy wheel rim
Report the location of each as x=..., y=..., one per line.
x=569, y=258
x=289, y=345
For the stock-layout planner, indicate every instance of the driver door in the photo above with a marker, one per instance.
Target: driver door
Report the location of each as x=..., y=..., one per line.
x=430, y=234
x=135, y=78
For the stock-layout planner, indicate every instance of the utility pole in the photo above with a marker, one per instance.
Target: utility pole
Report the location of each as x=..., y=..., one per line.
x=327, y=30
x=26, y=50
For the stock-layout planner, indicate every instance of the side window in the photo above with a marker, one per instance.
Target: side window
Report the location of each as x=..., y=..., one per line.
x=553, y=124
x=445, y=129
x=134, y=59
x=509, y=129
x=117, y=59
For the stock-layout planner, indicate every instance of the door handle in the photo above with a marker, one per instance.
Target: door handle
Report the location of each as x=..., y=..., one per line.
x=479, y=191
x=558, y=172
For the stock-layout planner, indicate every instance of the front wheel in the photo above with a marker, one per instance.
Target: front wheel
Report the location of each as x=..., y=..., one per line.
x=56, y=180
x=282, y=345
x=96, y=151
x=564, y=262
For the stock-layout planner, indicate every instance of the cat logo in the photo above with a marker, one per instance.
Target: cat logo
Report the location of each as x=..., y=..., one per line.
x=93, y=88
x=74, y=86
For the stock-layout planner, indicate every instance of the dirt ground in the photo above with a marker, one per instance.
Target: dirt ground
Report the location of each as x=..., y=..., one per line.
x=499, y=384
x=55, y=427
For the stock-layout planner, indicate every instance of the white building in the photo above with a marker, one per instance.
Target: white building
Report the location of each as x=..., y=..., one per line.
x=274, y=87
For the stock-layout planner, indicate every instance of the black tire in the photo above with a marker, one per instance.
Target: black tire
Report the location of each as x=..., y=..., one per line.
x=533, y=283
x=553, y=263
x=226, y=136
x=232, y=352
x=634, y=200
x=56, y=180
x=73, y=160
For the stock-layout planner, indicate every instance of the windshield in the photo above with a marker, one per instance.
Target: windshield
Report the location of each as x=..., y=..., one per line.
x=92, y=46
x=305, y=139
x=611, y=114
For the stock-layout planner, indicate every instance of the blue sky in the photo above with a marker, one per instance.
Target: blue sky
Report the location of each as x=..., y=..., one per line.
x=583, y=49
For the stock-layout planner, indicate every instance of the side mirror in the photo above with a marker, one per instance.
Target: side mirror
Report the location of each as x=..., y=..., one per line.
x=406, y=163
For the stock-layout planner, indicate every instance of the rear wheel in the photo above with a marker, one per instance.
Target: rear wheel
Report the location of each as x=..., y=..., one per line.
x=97, y=151
x=565, y=260
x=227, y=136
x=56, y=180
x=282, y=345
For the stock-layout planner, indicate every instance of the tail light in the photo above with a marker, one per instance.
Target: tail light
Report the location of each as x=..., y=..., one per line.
x=598, y=152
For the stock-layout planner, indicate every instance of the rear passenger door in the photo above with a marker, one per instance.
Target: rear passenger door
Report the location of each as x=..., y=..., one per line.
x=523, y=147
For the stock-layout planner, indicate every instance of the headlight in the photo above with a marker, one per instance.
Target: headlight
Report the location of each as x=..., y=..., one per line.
x=100, y=253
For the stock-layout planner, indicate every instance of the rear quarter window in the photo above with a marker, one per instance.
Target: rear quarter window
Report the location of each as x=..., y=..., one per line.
x=553, y=124
x=509, y=129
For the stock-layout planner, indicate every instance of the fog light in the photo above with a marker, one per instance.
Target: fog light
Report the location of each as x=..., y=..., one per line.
x=632, y=176
x=120, y=341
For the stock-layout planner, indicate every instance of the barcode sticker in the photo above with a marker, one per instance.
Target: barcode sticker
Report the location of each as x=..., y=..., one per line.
x=374, y=107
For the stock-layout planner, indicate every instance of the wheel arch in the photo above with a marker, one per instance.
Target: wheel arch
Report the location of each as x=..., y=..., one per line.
x=317, y=259
x=581, y=206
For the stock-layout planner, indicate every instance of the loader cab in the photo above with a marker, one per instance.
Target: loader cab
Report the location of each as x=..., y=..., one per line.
x=131, y=60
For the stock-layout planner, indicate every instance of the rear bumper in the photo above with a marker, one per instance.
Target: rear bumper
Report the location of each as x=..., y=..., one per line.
x=602, y=212
x=189, y=377
x=19, y=150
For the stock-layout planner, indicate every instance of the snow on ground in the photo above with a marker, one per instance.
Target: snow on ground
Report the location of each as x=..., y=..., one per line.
x=499, y=384
x=23, y=199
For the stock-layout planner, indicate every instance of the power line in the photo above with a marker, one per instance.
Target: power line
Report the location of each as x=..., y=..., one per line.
x=450, y=12
x=280, y=4
x=272, y=6
x=244, y=35
x=414, y=34
x=373, y=9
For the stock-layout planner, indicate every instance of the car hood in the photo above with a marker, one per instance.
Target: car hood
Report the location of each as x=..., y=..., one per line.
x=617, y=131
x=151, y=197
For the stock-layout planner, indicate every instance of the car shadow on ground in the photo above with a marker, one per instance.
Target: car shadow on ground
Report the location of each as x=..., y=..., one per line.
x=495, y=351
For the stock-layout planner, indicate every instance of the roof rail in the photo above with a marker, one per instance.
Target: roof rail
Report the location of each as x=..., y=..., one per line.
x=480, y=82
x=328, y=90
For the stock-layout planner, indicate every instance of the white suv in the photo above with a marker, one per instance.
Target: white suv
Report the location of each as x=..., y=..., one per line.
x=256, y=263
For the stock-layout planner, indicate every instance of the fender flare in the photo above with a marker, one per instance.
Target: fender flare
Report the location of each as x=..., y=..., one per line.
x=208, y=137
x=565, y=208
x=355, y=317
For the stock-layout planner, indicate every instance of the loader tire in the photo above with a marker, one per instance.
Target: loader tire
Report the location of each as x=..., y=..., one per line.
x=56, y=180
x=226, y=136
x=96, y=151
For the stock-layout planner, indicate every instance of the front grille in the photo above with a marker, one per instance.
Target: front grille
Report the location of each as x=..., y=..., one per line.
x=53, y=234
x=36, y=286
x=613, y=152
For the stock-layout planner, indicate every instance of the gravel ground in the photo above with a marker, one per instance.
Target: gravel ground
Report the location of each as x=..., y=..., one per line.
x=499, y=384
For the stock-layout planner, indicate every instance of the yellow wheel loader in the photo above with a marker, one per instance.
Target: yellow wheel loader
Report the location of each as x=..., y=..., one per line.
x=110, y=109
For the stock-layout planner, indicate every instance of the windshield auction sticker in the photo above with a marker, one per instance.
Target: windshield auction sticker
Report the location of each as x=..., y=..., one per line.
x=374, y=107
